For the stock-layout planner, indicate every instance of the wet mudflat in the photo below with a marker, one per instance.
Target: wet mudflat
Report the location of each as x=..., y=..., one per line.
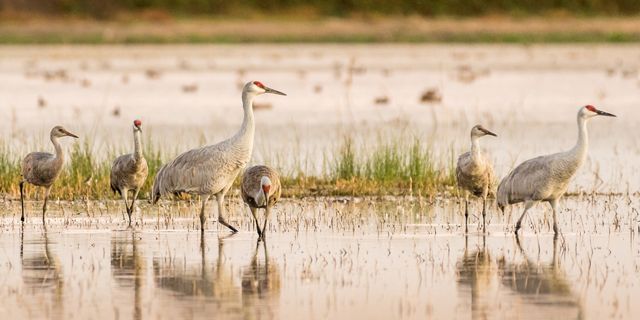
x=398, y=258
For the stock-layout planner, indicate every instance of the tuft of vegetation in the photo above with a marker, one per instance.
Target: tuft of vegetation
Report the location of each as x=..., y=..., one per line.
x=392, y=168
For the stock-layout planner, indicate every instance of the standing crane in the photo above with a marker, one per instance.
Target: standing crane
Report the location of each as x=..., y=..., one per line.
x=211, y=170
x=474, y=174
x=260, y=189
x=546, y=178
x=42, y=168
x=129, y=171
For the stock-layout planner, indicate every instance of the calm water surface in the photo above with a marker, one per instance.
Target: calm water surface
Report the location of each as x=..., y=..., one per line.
x=325, y=259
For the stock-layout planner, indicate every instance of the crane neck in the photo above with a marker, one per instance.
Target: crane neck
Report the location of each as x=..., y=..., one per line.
x=58, y=147
x=475, y=146
x=247, y=130
x=580, y=150
x=137, y=142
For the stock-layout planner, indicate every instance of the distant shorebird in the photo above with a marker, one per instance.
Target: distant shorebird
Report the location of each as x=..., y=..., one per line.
x=42, y=168
x=547, y=178
x=474, y=173
x=260, y=189
x=129, y=171
x=211, y=170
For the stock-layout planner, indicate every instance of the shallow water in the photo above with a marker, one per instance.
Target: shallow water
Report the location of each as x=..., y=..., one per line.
x=404, y=258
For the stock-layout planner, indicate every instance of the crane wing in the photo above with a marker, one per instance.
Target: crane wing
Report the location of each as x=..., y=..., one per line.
x=528, y=181
x=204, y=170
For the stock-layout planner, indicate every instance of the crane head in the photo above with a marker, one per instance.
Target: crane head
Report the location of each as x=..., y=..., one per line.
x=59, y=131
x=256, y=87
x=265, y=185
x=137, y=125
x=262, y=196
x=479, y=131
x=590, y=111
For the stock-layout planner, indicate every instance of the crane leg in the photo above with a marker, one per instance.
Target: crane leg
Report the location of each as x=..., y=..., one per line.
x=133, y=202
x=527, y=205
x=44, y=206
x=266, y=221
x=484, y=215
x=220, y=198
x=203, y=218
x=22, y=200
x=554, y=205
x=466, y=215
x=255, y=218
x=126, y=203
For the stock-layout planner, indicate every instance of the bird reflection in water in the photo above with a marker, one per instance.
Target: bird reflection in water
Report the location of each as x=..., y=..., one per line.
x=539, y=287
x=260, y=285
x=127, y=266
x=211, y=281
x=41, y=270
x=540, y=279
x=477, y=271
x=214, y=284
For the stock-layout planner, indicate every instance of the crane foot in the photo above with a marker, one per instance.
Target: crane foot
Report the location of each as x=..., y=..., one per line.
x=224, y=223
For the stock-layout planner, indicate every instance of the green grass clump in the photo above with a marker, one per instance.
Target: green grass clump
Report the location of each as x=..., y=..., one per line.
x=391, y=168
x=345, y=164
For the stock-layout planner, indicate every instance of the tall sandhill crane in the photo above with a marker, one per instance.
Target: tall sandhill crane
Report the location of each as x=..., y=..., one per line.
x=260, y=189
x=546, y=178
x=211, y=170
x=129, y=171
x=42, y=168
x=474, y=173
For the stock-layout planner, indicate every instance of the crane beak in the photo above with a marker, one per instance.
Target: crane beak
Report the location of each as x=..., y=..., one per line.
x=265, y=191
x=606, y=114
x=488, y=132
x=70, y=134
x=269, y=90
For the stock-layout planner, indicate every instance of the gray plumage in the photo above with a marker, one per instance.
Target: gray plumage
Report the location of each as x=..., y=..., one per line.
x=546, y=178
x=211, y=170
x=260, y=189
x=129, y=172
x=474, y=173
x=42, y=169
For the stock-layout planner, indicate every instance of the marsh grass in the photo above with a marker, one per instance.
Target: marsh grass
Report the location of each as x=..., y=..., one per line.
x=392, y=168
x=387, y=168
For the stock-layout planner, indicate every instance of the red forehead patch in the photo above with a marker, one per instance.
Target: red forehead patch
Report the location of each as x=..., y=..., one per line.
x=590, y=108
x=137, y=123
x=259, y=84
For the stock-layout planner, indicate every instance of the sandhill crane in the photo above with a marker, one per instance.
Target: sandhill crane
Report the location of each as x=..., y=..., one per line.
x=260, y=189
x=546, y=178
x=42, y=168
x=129, y=171
x=211, y=170
x=474, y=173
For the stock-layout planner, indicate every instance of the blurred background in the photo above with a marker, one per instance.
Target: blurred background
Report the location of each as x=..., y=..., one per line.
x=341, y=8
x=144, y=21
x=368, y=79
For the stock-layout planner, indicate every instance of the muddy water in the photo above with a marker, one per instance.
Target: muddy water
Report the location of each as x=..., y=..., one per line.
x=187, y=96
x=325, y=259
